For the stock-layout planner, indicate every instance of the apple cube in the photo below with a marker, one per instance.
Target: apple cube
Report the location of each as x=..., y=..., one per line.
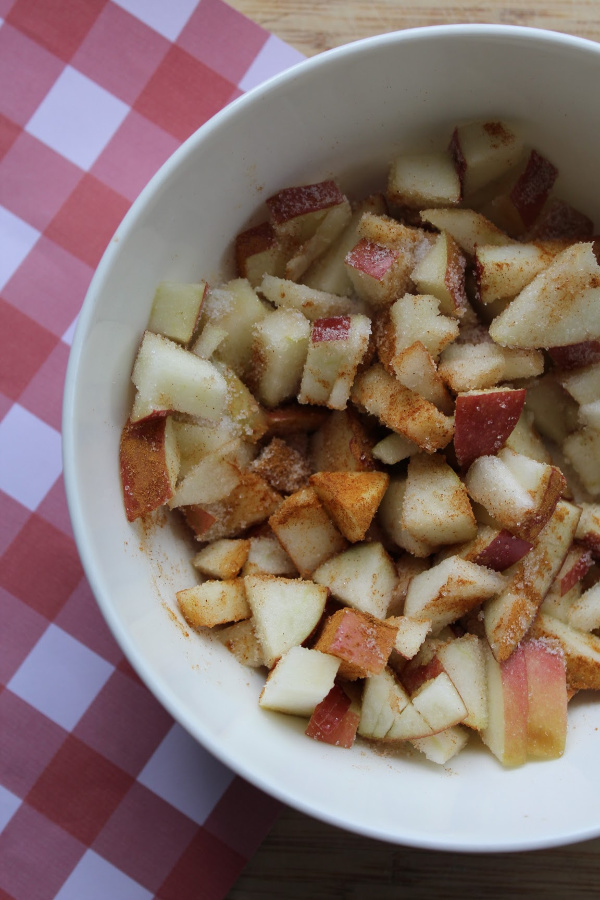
x=509, y=615
x=410, y=634
x=559, y=605
x=378, y=273
x=149, y=465
x=531, y=190
x=578, y=562
x=176, y=310
x=240, y=639
x=214, y=602
x=482, y=152
x=469, y=229
x=286, y=294
x=582, y=450
x=441, y=273
x=436, y=508
x=447, y=591
x=351, y=499
x=383, y=700
x=391, y=520
x=503, y=271
x=415, y=368
x=360, y=641
x=559, y=221
x=496, y=549
x=196, y=439
x=402, y=410
x=547, y=696
x=259, y=253
x=525, y=439
x=393, y=449
x=483, y=420
x=297, y=212
x=407, y=566
x=209, y=339
x=441, y=747
x=575, y=356
x=278, y=356
x=305, y=531
x=362, y=577
x=266, y=556
x=467, y=366
x=555, y=413
x=583, y=384
x=410, y=319
x=285, y=468
x=342, y=444
x=236, y=308
x=336, y=348
x=439, y=703
x=300, y=680
x=508, y=705
x=463, y=660
x=211, y=479
x=285, y=612
x=171, y=378
x=252, y=501
x=329, y=229
x=222, y=559
x=423, y=180
x=584, y=613
x=567, y=291
x=335, y=719
x=581, y=650
x=588, y=529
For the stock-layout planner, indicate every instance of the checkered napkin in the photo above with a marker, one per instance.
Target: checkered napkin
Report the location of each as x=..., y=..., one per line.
x=101, y=794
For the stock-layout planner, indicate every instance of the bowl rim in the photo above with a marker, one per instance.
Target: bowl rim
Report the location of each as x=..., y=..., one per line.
x=93, y=572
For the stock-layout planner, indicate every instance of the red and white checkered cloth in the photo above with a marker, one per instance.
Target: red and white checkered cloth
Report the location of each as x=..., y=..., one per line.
x=101, y=794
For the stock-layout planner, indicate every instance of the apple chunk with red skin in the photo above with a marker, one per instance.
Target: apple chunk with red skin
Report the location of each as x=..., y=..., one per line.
x=532, y=188
x=334, y=721
x=297, y=211
x=149, y=463
x=483, y=420
x=547, y=699
x=336, y=348
x=576, y=356
x=258, y=253
x=360, y=640
x=507, y=703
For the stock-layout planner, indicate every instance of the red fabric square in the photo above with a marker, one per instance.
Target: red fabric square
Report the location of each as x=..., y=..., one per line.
x=134, y=154
x=120, y=53
x=37, y=856
x=88, y=220
x=222, y=39
x=124, y=723
x=29, y=742
x=208, y=861
x=12, y=518
x=82, y=619
x=59, y=25
x=242, y=817
x=21, y=629
x=46, y=584
x=9, y=132
x=183, y=94
x=35, y=181
x=145, y=837
x=79, y=790
x=24, y=347
x=43, y=394
x=21, y=95
x=53, y=508
x=49, y=286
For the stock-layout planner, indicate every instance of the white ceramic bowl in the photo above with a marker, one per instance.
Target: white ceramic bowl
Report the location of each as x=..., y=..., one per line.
x=342, y=114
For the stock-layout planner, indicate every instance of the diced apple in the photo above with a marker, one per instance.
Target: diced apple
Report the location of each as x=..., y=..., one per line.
x=554, y=410
x=576, y=356
x=441, y=273
x=149, y=465
x=213, y=478
x=351, y=499
x=547, y=696
x=439, y=703
x=176, y=310
x=214, y=602
x=423, y=180
x=503, y=271
x=415, y=368
x=407, y=566
x=559, y=307
x=560, y=221
x=582, y=450
x=468, y=228
x=336, y=349
x=466, y=366
x=335, y=719
x=378, y=273
x=279, y=354
x=241, y=408
x=305, y=531
x=436, y=508
x=259, y=253
x=209, y=339
x=285, y=612
x=301, y=679
x=532, y=188
x=390, y=518
x=266, y=556
x=296, y=212
x=252, y=501
x=171, y=378
x=293, y=419
x=285, y=469
x=313, y=304
x=195, y=439
x=240, y=639
x=584, y=613
x=525, y=439
x=393, y=449
x=335, y=220
x=578, y=562
x=581, y=650
x=222, y=559
x=483, y=420
x=482, y=152
x=463, y=661
x=362, y=577
x=507, y=702
x=342, y=444
x=410, y=319
x=497, y=549
x=402, y=410
x=362, y=642
x=441, y=747
x=588, y=529
x=410, y=634
x=383, y=700
x=447, y=591
x=509, y=615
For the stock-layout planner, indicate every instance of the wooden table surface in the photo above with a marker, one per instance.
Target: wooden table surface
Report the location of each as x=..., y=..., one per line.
x=302, y=858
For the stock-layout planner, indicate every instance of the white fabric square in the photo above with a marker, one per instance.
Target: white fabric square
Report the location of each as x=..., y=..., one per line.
x=60, y=677
x=77, y=118
x=96, y=879
x=166, y=18
x=9, y=804
x=275, y=56
x=17, y=238
x=30, y=457
x=186, y=775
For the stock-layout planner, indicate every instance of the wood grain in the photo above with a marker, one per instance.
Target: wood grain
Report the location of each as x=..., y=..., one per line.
x=303, y=859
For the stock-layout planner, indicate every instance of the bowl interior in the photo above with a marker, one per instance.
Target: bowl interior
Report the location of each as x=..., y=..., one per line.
x=344, y=115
